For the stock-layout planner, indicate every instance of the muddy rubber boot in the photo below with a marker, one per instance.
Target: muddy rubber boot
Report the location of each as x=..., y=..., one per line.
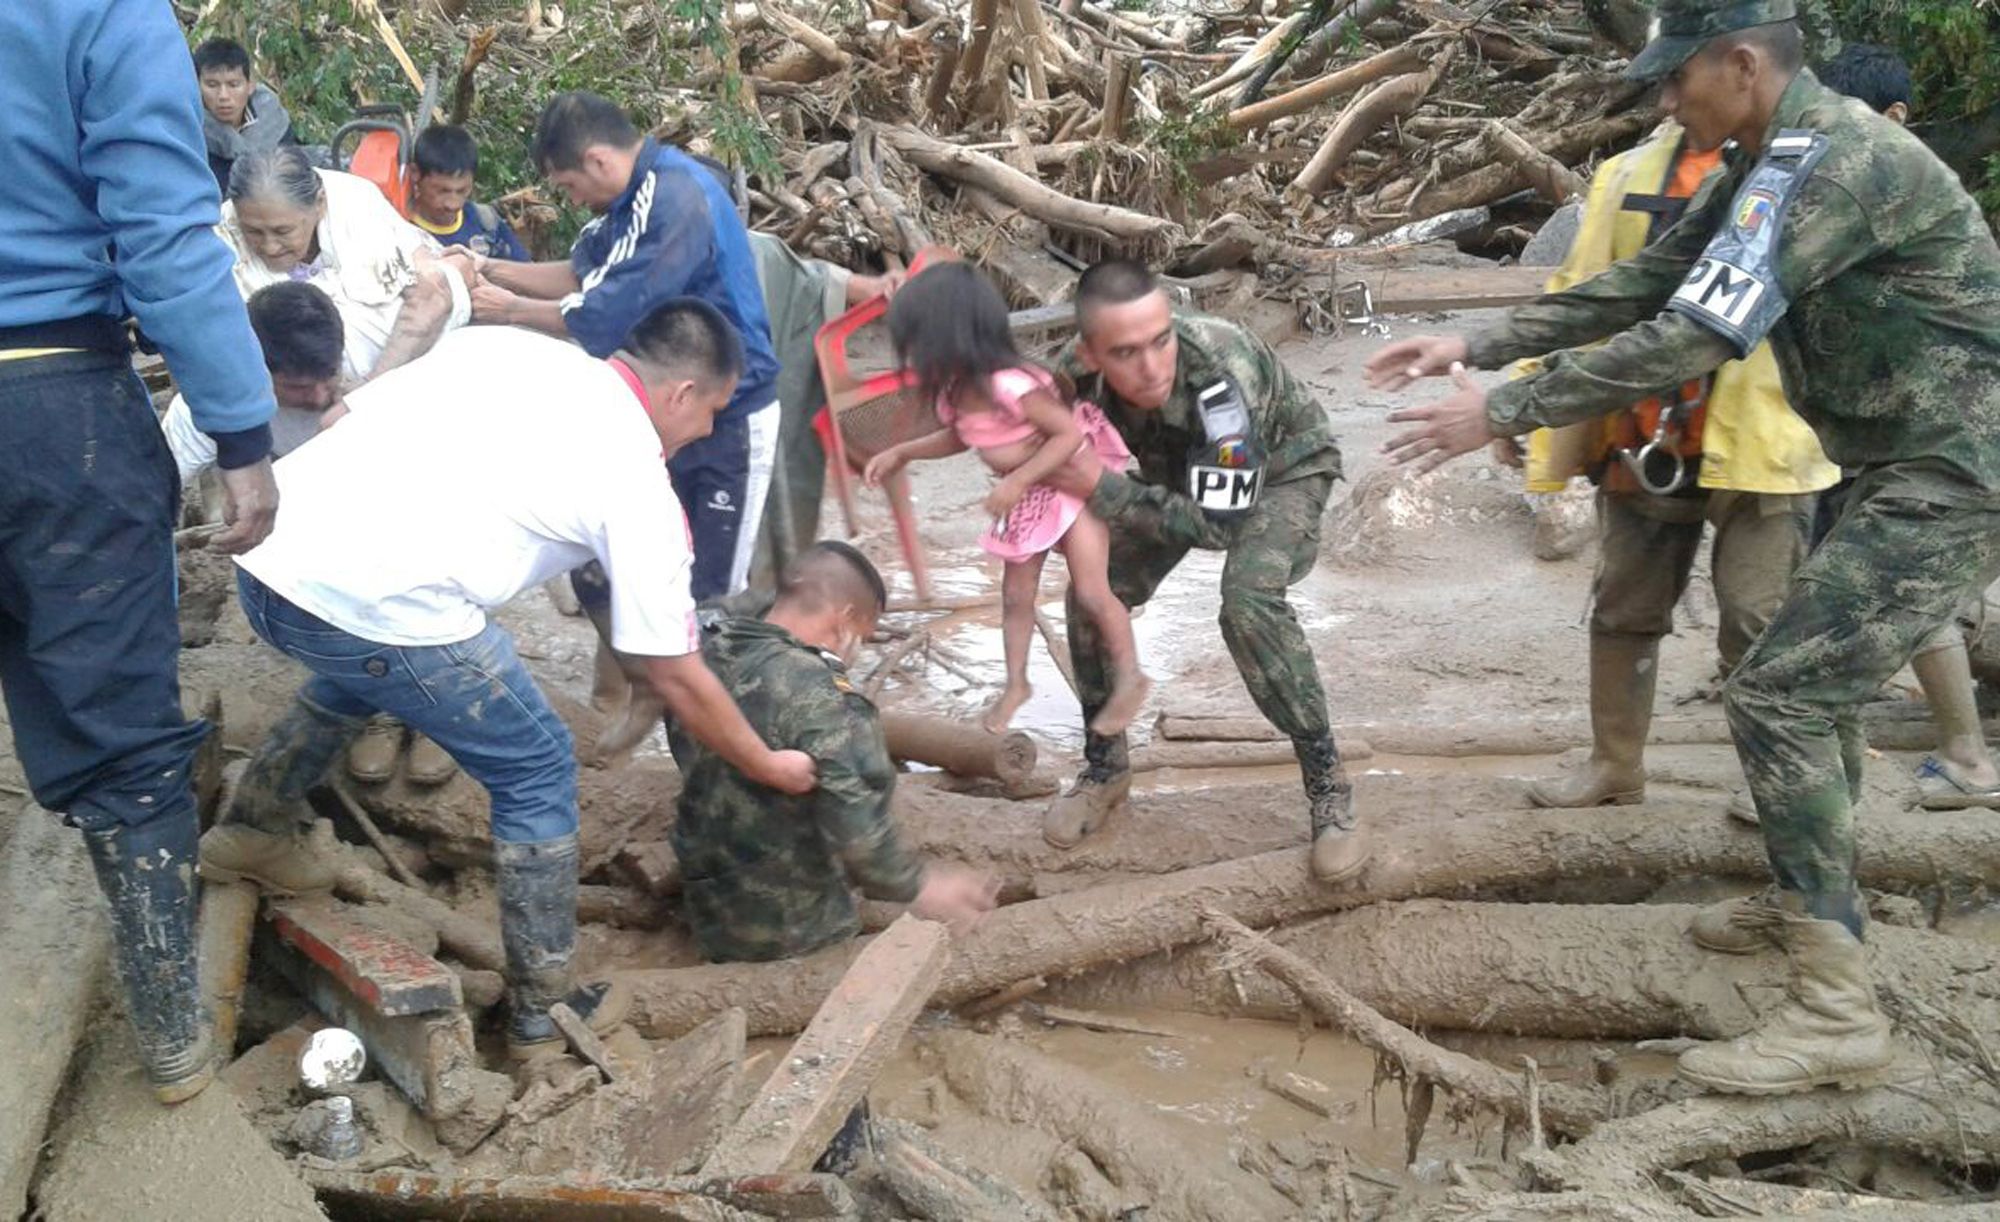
x=1339, y=849
x=1737, y=927
x=429, y=764
x=147, y=874
x=538, y=887
x=264, y=835
x=1743, y=808
x=373, y=757
x=1102, y=787
x=1827, y=1032
x=1622, y=673
x=643, y=714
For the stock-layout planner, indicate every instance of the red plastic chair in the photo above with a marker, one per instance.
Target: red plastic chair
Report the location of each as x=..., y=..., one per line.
x=865, y=414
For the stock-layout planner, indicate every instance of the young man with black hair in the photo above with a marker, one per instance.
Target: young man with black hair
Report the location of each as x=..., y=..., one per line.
x=665, y=227
x=299, y=329
x=1876, y=75
x=555, y=460
x=239, y=114
x=1234, y=455
x=442, y=168
x=771, y=876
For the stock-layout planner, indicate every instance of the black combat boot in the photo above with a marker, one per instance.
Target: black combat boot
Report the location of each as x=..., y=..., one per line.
x=538, y=928
x=1338, y=849
x=1100, y=789
x=146, y=872
x=262, y=837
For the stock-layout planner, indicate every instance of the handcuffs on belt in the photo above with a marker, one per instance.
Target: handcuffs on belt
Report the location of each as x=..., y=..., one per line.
x=1659, y=466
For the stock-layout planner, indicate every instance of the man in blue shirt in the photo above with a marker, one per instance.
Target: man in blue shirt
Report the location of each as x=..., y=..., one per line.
x=108, y=209
x=665, y=228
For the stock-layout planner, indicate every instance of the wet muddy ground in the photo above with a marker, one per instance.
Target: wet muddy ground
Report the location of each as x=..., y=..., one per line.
x=1429, y=609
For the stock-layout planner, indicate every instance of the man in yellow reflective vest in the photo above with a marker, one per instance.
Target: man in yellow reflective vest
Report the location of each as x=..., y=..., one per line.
x=1727, y=450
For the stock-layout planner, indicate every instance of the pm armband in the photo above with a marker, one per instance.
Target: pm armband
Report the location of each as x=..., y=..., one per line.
x=1733, y=288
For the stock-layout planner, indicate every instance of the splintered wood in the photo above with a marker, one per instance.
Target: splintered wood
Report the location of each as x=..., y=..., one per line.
x=831, y=1066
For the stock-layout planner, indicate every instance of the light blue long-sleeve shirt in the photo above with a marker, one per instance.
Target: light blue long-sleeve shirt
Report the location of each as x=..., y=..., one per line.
x=107, y=205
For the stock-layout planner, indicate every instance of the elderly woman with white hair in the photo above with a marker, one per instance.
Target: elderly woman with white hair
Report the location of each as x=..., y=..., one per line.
x=396, y=290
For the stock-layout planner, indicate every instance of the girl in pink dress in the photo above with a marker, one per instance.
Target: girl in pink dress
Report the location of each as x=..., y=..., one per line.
x=950, y=328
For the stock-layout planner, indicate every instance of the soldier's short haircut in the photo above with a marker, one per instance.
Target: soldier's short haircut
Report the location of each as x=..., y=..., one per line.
x=832, y=574
x=574, y=122
x=1114, y=282
x=1782, y=41
x=690, y=338
x=1876, y=75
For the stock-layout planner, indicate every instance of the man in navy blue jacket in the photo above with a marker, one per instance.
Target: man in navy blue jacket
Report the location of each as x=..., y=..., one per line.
x=665, y=228
x=107, y=209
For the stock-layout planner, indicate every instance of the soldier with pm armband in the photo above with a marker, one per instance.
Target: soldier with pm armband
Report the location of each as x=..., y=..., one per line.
x=1836, y=235
x=1231, y=454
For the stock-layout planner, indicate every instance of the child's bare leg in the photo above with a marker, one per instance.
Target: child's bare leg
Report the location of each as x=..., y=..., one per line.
x=1020, y=585
x=1087, y=547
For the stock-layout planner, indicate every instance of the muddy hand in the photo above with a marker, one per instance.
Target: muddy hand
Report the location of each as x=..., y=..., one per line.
x=249, y=507
x=1450, y=427
x=1406, y=360
x=955, y=896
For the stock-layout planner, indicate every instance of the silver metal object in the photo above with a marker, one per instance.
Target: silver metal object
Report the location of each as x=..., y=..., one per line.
x=333, y=1059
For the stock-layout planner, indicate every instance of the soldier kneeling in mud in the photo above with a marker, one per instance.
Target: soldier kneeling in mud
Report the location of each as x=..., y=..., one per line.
x=768, y=875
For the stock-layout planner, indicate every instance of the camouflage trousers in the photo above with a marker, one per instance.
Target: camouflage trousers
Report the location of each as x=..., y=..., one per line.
x=1272, y=548
x=1889, y=574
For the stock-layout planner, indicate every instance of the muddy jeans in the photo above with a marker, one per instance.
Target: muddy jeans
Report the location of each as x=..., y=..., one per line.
x=89, y=639
x=1647, y=552
x=474, y=698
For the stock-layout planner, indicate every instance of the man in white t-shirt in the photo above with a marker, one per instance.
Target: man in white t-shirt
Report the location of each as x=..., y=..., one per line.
x=496, y=461
x=300, y=331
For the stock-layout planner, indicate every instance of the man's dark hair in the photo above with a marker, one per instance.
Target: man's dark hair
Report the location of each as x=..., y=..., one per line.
x=573, y=122
x=830, y=573
x=299, y=328
x=691, y=337
x=1876, y=75
x=221, y=53
x=446, y=149
x=1114, y=282
x=1782, y=41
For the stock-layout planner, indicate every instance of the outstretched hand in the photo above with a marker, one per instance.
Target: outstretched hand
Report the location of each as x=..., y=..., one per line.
x=1452, y=426
x=1424, y=356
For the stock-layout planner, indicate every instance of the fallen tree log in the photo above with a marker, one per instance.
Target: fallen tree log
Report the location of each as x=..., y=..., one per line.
x=1954, y=1121
x=1009, y=184
x=1017, y=1085
x=1396, y=59
x=1581, y=971
x=1566, y=1108
x=1066, y=934
x=1392, y=99
x=960, y=748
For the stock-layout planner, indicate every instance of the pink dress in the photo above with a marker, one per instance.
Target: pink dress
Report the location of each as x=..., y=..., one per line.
x=1043, y=516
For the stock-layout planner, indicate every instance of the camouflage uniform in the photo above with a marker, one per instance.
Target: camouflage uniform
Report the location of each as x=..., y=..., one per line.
x=767, y=875
x=1275, y=545
x=1891, y=351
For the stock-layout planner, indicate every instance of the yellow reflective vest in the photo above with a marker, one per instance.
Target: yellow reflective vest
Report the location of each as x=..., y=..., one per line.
x=1751, y=441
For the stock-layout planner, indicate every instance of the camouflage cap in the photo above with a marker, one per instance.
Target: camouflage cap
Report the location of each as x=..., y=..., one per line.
x=1682, y=26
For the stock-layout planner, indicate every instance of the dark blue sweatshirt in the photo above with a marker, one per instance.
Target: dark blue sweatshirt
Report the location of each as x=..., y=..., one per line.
x=673, y=233
x=107, y=205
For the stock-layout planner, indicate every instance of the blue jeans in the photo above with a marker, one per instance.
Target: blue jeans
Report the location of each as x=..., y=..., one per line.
x=474, y=698
x=89, y=640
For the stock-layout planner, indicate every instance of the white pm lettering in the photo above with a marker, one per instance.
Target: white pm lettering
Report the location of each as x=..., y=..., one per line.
x=1223, y=488
x=1721, y=290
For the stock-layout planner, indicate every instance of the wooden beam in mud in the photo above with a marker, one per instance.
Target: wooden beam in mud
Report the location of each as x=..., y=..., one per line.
x=529, y=1198
x=833, y=1063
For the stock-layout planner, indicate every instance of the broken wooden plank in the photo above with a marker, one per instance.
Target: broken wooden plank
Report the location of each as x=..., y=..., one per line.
x=1419, y=290
x=582, y=1040
x=831, y=1066
x=1095, y=1020
x=936, y=1184
x=515, y=1198
x=690, y=1101
x=53, y=949
x=1311, y=1094
x=429, y=1057
x=386, y=974
x=228, y=920
x=118, y=1154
